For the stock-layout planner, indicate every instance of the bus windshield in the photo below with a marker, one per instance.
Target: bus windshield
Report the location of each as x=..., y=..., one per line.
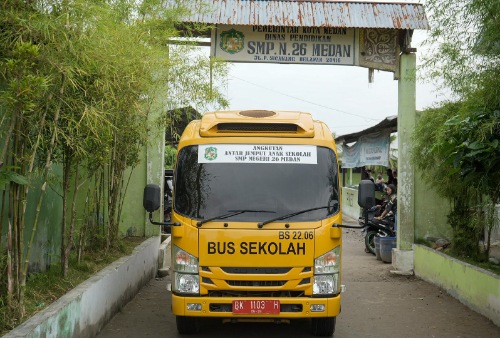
x=205, y=190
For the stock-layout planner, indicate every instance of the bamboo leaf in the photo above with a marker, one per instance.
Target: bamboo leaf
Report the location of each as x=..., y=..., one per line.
x=475, y=153
x=10, y=176
x=477, y=145
x=453, y=121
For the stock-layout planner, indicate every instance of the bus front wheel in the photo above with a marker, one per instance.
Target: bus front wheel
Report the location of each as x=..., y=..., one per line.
x=323, y=327
x=187, y=325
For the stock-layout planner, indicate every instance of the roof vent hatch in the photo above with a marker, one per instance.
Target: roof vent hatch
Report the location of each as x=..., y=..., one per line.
x=257, y=113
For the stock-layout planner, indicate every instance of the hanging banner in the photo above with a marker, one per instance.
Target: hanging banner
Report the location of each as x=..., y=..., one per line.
x=257, y=153
x=350, y=155
x=280, y=44
x=370, y=149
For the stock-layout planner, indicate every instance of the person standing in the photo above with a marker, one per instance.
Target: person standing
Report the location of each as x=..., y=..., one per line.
x=379, y=183
x=390, y=177
x=369, y=175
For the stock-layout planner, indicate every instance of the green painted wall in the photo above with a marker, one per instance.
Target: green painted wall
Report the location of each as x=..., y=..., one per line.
x=155, y=154
x=431, y=212
x=477, y=288
x=133, y=215
x=134, y=220
x=47, y=241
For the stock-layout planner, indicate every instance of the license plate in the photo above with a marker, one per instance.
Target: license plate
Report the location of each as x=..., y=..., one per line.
x=256, y=307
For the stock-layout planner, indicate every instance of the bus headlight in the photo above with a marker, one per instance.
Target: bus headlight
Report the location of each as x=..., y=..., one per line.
x=186, y=283
x=325, y=284
x=326, y=273
x=186, y=272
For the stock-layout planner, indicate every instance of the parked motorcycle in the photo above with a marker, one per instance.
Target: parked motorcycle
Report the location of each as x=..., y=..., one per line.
x=375, y=227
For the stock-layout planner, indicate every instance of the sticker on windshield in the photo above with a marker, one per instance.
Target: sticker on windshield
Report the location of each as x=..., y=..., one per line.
x=257, y=153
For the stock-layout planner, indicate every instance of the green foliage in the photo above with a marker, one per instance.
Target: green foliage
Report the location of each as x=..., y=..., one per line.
x=7, y=176
x=466, y=234
x=198, y=89
x=79, y=81
x=464, y=45
x=456, y=145
x=170, y=156
x=462, y=143
x=477, y=158
x=457, y=151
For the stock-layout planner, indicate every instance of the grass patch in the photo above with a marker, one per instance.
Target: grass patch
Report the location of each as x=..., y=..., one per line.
x=46, y=287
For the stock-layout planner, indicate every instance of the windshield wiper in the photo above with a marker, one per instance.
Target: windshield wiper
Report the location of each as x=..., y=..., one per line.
x=229, y=214
x=260, y=225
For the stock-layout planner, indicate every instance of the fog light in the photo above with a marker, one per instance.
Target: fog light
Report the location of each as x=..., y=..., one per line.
x=194, y=307
x=317, y=308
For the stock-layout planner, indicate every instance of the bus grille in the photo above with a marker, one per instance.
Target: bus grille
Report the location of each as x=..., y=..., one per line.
x=255, y=283
x=260, y=294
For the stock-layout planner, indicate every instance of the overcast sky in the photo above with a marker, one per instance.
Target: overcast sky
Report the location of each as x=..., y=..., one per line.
x=338, y=95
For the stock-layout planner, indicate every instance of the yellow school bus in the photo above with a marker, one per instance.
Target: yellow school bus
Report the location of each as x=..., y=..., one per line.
x=256, y=200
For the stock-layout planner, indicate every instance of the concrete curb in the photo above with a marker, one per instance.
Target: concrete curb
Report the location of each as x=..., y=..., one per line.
x=85, y=310
x=164, y=257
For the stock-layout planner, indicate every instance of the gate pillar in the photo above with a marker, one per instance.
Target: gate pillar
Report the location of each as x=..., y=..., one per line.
x=403, y=254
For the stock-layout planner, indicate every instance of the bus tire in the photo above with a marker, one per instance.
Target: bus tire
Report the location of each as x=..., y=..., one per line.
x=187, y=325
x=323, y=327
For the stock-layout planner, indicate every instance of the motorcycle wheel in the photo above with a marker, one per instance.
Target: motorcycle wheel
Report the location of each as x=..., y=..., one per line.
x=370, y=241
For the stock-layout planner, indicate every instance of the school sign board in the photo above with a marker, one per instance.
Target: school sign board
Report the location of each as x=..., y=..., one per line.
x=372, y=48
x=257, y=153
x=280, y=44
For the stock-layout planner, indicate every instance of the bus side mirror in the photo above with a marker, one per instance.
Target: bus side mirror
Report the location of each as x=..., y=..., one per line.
x=366, y=194
x=151, y=202
x=151, y=199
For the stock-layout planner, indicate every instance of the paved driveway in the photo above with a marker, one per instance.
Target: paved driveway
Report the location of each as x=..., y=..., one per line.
x=376, y=304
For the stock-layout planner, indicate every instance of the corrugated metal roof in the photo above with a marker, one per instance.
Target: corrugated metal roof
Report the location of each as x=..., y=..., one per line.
x=388, y=124
x=319, y=13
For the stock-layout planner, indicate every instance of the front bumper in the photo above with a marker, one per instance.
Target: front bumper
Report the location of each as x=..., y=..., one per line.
x=291, y=308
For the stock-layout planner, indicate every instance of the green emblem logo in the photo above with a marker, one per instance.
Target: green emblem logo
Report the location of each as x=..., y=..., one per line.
x=211, y=153
x=232, y=41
